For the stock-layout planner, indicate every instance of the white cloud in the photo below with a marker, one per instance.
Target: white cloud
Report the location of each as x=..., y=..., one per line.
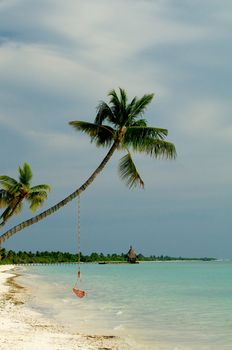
x=53, y=141
x=42, y=66
x=58, y=141
x=207, y=118
x=103, y=33
x=8, y=3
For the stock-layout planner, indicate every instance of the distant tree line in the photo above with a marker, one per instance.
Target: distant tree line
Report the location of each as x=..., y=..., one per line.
x=23, y=257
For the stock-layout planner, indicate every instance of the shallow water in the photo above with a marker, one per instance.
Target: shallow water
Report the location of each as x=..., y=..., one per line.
x=171, y=306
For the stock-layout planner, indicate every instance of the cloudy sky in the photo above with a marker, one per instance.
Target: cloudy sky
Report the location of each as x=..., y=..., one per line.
x=59, y=58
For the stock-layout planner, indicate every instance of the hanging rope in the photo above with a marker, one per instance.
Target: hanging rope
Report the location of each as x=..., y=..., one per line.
x=79, y=235
x=78, y=292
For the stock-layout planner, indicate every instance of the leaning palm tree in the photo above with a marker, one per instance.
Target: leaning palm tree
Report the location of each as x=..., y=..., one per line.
x=13, y=193
x=119, y=126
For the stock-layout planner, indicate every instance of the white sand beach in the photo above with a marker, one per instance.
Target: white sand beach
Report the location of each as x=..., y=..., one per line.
x=24, y=329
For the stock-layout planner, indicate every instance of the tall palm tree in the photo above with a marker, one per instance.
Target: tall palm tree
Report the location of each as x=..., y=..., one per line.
x=118, y=125
x=13, y=193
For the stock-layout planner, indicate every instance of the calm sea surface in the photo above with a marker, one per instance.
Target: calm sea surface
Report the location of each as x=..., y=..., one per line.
x=170, y=306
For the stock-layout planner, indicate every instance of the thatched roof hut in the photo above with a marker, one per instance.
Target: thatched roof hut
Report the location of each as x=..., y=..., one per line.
x=131, y=256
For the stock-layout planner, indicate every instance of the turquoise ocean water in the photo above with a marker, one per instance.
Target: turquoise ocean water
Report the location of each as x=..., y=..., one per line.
x=168, y=306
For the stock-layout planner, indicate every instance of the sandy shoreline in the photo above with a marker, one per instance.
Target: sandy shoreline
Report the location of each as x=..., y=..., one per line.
x=24, y=329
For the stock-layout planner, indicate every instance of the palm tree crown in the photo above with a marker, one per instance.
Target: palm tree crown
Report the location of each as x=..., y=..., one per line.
x=120, y=122
x=13, y=193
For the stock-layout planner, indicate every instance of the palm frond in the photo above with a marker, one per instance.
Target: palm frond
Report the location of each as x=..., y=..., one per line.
x=39, y=188
x=35, y=204
x=40, y=195
x=104, y=112
x=138, y=106
x=18, y=208
x=25, y=174
x=102, y=135
x=10, y=185
x=117, y=107
x=131, y=104
x=3, y=202
x=90, y=129
x=135, y=136
x=7, y=182
x=37, y=201
x=14, y=207
x=114, y=100
x=123, y=98
x=155, y=148
x=105, y=136
x=5, y=197
x=3, y=194
x=129, y=173
x=140, y=122
x=6, y=212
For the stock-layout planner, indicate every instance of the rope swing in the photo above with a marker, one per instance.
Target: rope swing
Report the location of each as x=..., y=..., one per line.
x=78, y=292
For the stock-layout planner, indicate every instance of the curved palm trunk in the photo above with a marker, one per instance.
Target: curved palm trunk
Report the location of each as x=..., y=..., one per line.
x=65, y=201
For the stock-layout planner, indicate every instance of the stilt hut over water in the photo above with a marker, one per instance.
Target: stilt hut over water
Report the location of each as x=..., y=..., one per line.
x=131, y=256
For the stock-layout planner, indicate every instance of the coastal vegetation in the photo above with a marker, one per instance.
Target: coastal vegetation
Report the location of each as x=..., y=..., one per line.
x=118, y=125
x=23, y=257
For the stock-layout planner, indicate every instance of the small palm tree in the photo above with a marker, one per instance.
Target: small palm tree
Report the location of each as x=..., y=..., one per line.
x=13, y=193
x=117, y=125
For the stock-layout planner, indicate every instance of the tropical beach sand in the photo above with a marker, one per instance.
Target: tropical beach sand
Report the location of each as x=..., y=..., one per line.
x=24, y=329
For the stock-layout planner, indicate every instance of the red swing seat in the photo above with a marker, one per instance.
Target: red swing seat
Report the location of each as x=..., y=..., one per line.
x=78, y=292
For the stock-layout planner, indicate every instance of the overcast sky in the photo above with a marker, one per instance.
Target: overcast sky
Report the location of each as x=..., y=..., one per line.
x=58, y=59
